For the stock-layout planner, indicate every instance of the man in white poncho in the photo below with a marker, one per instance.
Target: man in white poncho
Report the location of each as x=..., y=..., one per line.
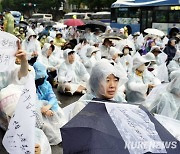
x=175, y=63
x=139, y=81
x=168, y=102
x=32, y=46
x=72, y=74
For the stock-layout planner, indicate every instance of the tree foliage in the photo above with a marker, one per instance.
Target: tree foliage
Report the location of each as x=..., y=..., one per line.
x=93, y=4
x=45, y=6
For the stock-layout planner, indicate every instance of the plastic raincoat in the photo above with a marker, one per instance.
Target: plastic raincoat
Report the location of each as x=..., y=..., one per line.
x=137, y=86
x=97, y=84
x=74, y=74
x=9, y=23
x=174, y=64
x=168, y=102
x=32, y=45
x=91, y=59
x=51, y=124
x=51, y=61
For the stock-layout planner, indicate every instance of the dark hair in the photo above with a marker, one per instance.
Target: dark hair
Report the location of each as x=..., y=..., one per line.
x=82, y=40
x=72, y=52
x=53, y=47
x=58, y=34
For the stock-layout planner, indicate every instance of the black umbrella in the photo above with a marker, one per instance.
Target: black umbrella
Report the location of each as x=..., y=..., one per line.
x=92, y=131
x=49, y=23
x=93, y=25
x=23, y=24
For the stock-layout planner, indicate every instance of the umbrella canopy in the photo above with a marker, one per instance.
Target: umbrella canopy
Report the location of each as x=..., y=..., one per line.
x=93, y=25
x=49, y=23
x=74, y=22
x=59, y=26
x=93, y=130
x=154, y=32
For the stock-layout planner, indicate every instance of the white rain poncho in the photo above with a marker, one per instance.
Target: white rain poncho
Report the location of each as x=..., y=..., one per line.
x=32, y=45
x=99, y=74
x=175, y=63
x=97, y=83
x=81, y=50
x=107, y=52
x=52, y=61
x=119, y=96
x=160, y=69
x=9, y=77
x=152, y=75
x=137, y=86
x=74, y=74
x=91, y=59
x=41, y=139
x=168, y=102
x=50, y=124
x=127, y=62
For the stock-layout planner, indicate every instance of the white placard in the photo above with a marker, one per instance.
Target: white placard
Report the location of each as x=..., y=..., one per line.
x=8, y=48
x=136, y=129
x=19, y=138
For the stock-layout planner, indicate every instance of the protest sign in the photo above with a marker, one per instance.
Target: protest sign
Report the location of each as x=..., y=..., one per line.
x=8, y=48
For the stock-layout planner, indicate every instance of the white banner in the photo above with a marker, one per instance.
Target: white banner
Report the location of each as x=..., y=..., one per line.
x=8, y=48
x=136, y=129
x=20, y=136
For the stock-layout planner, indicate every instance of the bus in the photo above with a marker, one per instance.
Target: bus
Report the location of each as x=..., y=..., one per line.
x=102, y=16
x=77, y=14
x=142, y=14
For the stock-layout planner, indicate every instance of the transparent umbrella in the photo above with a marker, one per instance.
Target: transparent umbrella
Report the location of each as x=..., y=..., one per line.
x=154, y=31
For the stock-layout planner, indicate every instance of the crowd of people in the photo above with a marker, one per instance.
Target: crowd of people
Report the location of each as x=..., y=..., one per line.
x=96, y=65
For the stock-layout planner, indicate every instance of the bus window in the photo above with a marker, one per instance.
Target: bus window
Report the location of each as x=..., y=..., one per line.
x=160, y=16
x=114, y=15
x=134, y=12
x=174, y=16
x=123, y=13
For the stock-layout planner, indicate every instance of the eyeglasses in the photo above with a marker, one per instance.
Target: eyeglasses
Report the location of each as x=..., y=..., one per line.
x=147, y=63
x=33, y=36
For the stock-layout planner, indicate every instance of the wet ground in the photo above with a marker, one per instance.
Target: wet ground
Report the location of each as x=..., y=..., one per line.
x=65, y=100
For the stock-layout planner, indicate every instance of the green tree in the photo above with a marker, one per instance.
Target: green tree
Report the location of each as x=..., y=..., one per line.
x=93, y=5
x=8, y=4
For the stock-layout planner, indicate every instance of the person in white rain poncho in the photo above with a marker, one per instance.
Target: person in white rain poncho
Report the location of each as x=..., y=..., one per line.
x=168, y=102
x=93, y=54
x=88, y=35
x=175, y=63
x=50, y=61
x=105, y=79
x=152, y=68
x=81, y=49
x=16, y=76
x=126, y=60
x=105, y=67
x=105, y=49
x=72, y=74
x=139, y=82
x=32, y=46
x=160, y=69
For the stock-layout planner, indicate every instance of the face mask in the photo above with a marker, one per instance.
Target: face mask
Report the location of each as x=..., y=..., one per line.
x=39, y=81
x=32, y=39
